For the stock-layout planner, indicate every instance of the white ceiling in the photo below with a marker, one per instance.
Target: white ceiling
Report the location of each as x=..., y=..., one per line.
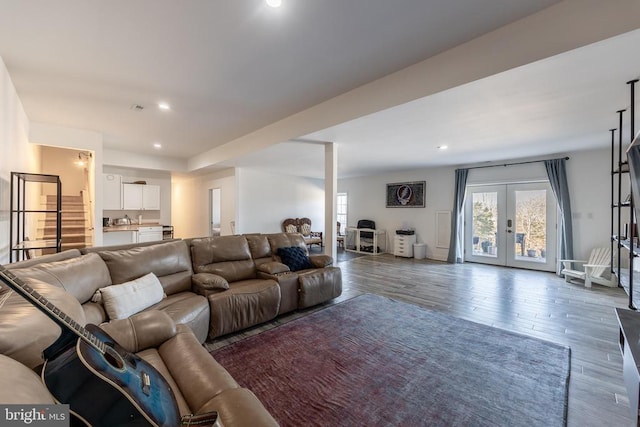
x=558, y=105
x=230, y=68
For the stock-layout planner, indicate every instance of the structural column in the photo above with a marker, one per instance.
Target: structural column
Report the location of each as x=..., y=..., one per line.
x=330, y=194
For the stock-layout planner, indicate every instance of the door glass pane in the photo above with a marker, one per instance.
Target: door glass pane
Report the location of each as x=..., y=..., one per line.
x=531, y=225
x=485, y=223
x=341, y=212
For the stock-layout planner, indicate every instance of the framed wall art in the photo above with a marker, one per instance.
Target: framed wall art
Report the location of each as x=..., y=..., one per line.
x=406, y=194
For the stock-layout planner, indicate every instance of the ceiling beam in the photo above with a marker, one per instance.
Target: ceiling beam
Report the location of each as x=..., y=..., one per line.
x=565, y=26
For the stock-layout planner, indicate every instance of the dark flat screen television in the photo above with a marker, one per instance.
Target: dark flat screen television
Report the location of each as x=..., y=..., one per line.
x=633, y=158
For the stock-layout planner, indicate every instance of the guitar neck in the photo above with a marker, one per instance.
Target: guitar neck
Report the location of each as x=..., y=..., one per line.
x=53, y=312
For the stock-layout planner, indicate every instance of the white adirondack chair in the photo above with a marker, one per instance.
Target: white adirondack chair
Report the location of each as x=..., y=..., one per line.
x=596, y=270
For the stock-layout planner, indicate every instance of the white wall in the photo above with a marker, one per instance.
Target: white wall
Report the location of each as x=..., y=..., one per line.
x=17, y=154
x=366, y=198
x=60, y=161
x=190, y=203
x=589, y=176
x=588, y=173
x=266, y=199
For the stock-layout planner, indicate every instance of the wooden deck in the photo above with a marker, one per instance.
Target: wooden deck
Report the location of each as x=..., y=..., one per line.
x=532, y=303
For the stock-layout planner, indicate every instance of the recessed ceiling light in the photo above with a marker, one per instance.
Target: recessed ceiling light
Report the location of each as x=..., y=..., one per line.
x=157, y=145
x=443, y=147
x=164, y=106
x=274, y=3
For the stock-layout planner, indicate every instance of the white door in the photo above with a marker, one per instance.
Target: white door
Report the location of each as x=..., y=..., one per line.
x=214, y=211
x=512, y=225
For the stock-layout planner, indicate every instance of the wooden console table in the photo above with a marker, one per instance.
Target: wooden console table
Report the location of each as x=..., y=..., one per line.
x=629, y=321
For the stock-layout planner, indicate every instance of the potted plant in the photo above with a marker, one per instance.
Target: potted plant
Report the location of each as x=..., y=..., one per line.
x=531, y=253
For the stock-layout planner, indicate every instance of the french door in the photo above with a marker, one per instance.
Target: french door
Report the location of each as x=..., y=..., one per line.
x=512, y=225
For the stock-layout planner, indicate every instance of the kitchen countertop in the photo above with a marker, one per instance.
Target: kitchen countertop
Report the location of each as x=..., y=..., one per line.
x=132, y=227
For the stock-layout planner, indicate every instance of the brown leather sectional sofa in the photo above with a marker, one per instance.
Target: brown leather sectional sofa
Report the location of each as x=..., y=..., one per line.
x=258, y=286
x=213, y=286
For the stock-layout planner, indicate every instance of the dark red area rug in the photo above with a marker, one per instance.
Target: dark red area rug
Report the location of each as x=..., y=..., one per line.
x=375, y=361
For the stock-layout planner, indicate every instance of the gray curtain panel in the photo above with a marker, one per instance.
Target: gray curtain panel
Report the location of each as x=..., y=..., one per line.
x=557, y=173
x=456, y=242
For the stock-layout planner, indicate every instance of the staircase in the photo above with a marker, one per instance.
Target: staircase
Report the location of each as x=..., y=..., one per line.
x=76, y=230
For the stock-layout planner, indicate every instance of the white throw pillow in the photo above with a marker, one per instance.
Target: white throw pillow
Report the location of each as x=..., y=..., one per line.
x=126, y=299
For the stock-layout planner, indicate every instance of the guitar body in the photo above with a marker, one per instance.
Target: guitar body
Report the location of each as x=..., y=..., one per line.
x=116, y=388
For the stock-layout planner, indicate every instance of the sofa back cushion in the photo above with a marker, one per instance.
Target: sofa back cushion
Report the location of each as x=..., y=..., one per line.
x=226, y=256
x=24, y=330
x=80, y=276
x=260, y=248
x=58, y=256
x=286, y=240
x=170, y=262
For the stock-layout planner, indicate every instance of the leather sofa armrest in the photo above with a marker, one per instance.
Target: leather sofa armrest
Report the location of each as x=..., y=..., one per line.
x=21, y=385
x=239, y=407
x=273, y=267
x=207, y=283
x=147, y=329
x=321, y=261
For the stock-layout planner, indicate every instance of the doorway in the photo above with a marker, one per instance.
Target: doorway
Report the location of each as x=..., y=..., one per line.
x=214, y=212
x=512, y=225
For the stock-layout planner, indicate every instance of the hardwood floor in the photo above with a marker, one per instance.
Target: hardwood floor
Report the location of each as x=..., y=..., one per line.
x=532, y=303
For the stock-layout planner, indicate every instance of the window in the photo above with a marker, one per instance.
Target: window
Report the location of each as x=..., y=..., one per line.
x=341, y=211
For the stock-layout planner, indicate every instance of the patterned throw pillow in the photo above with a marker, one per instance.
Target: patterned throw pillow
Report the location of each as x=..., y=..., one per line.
x=295, y=258
x=305, y=229
x=291, y=228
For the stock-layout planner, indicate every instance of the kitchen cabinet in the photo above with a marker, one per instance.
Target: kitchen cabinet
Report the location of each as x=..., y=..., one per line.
x=149, y=234
x=151, y=197
x=112, y=190
x=122, y=235
x=119, y=237
x=140, y=197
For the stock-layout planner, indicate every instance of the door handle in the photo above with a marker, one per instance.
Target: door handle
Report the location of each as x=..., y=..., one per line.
x=509, y=231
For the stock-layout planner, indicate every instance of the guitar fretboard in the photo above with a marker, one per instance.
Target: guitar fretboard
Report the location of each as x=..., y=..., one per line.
x=42, y=303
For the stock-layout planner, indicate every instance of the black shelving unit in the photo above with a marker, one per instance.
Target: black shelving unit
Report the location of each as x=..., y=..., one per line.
x=22, y=213
x=623, y=240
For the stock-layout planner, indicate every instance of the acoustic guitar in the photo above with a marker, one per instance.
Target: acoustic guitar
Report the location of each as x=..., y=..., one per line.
x=103, y=384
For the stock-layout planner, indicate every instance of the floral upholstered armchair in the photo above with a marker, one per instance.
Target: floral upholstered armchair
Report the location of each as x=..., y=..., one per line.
x=303, y=226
